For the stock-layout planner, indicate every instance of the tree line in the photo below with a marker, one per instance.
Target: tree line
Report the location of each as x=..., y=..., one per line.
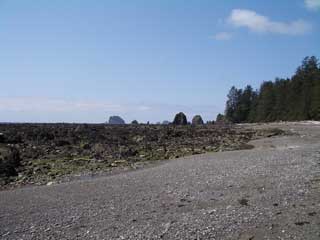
x=292, y=99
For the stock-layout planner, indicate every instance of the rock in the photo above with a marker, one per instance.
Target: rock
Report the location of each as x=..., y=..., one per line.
x=197, y=120
x=50, y=183
x=2, y=138
x=116, y=120
x=180, y=119
x=301, y=223
x=86, y=146
x=211, y=211
x=243, y=201
x=89, y=147
x=9, y=161
x=246, y=236
x=62, y=142
x=166, y=229
x=134, y=122
x=138, y=138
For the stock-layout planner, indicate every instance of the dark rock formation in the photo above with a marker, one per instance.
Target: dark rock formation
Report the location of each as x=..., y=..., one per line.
x=9, y=161
x=180, y=119
x=50, y=151
x=116, y=120
x=134, y=122
x=2, y=138
x=197, y=120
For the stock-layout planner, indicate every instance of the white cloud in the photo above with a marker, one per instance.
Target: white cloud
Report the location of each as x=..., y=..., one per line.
x=312, y=4
x=43, y=109
x=259, y=23
x=223, y=36
x=144, y=108
x=38, y=104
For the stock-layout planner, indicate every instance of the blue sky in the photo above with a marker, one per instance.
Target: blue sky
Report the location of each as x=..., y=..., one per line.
x=81, y=61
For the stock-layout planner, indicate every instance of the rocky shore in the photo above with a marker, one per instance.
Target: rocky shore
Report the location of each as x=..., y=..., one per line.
x=42, y=153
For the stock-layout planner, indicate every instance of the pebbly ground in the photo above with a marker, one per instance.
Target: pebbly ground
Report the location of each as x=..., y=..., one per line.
x=269, y=192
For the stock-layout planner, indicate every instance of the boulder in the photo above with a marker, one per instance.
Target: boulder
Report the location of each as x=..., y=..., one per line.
x=197, y=120
x=2, y=138
x=180, y=119
x=134, y=122
x=116, y=120
x=9, y=161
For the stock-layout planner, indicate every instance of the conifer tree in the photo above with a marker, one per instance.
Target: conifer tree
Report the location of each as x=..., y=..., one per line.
x=292, y=99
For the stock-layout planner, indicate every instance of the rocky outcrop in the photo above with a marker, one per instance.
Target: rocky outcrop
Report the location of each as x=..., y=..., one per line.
x=180, y=119
x=197, y=120
x=50, y=151
x=9, y=161
x=2, y=138
x=134, y=122
x=116, y=120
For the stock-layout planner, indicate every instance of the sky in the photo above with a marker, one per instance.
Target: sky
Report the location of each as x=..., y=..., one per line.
x=82, y=61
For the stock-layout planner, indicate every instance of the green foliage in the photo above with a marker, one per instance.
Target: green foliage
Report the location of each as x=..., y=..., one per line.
x=220, y=118
x=315, y=102
x=297, y=98
x=239, y=104
x=266, y=102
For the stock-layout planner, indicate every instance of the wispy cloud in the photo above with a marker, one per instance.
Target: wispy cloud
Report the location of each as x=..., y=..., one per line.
x=38, y=104
x=42, y=109
x=262, y=24
x=222, y=36
x=312, y=4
